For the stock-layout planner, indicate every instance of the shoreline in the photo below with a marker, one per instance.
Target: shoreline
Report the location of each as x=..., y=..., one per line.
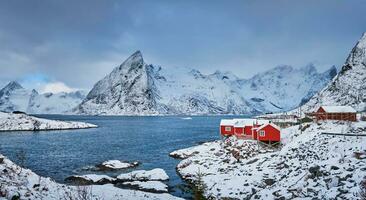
x=304, y=159
x=19, y=182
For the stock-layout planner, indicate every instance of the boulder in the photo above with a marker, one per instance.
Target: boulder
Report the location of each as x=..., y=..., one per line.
x=147, y=186
x=116, y=165
x=90, y=179
x=156, y=174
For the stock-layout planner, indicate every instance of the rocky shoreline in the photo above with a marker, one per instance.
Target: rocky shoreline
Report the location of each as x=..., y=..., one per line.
x=20, y=183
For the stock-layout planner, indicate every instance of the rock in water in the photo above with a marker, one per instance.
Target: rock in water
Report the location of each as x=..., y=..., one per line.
x=116, y=165
x=143, y=175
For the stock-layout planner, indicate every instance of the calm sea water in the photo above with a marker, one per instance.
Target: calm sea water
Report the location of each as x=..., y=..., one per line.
x=149, y=140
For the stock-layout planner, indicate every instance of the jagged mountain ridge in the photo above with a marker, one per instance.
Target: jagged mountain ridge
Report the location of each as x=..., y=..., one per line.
x=137, y=88
x=348, y=87
x=13, y=97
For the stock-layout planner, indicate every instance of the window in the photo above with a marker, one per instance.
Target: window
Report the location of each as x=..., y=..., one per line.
x=262, y=133
x=227, y=128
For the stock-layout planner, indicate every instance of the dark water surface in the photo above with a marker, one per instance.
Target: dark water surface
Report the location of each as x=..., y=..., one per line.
x=149, y=140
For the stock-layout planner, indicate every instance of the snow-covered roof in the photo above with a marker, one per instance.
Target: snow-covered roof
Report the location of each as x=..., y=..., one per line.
x=338, y=109
x=266, y=124
x=227, y=122
x=244, y=122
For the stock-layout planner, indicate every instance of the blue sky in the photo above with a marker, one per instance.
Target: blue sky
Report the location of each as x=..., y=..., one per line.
x=79, y=42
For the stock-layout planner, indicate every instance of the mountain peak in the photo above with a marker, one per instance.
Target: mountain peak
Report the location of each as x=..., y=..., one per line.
x=134, y=58
x=13, y=85
x=309, y=68
x=358, y=53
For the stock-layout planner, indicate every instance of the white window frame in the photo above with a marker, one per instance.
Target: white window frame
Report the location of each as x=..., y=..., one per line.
x=227, y=128
x=262, y=133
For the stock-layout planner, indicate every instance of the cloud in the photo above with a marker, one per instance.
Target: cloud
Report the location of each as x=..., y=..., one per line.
x=79, y=42
x=56, y=87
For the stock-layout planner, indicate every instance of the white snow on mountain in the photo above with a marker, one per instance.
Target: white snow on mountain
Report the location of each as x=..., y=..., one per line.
x=13, y=97
x=136, y=88
x=50, y=103
x=349, y=86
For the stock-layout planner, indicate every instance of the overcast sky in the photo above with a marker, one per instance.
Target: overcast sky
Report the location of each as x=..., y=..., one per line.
x=76, y=43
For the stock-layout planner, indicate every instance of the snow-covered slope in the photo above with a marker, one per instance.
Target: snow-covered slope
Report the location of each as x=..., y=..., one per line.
x=136, y=88
x=349, y=86
x=19, y=183
x=310, y=165
x=23, y=122
x=50, y=103
x=127, y=90
x=13, y=97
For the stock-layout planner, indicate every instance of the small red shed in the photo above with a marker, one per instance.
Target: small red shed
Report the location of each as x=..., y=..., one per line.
x=268, y=132
x=227, y=127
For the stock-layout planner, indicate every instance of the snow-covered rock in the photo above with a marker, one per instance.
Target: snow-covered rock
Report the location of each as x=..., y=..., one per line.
x=148, y=186
x=116, y=165
x=25, y=184
x=156, y=174
x=309, y=165
x=137, y=88
x=23, y=122
x=89, y=179
x=13, y=97
x=349, y=86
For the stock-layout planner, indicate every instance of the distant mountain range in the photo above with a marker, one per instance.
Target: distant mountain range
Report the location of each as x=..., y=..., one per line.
x=349, y=86
x=137, y=88
x=13, y=97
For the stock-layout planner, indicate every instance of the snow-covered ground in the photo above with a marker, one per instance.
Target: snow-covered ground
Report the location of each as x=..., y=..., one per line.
x=309, y=164
x=17, y=181
x=23, y=122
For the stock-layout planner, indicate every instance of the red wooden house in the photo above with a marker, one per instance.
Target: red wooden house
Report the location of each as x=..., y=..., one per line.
x=227, y=127
x=344, y=113
x=268, y=132
x=243, y=127
x=262, y=130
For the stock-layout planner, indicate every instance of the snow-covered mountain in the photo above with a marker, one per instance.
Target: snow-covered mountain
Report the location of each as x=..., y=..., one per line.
x=13, y=97
x=137, y=88
x=348, y=87
x=54, y=103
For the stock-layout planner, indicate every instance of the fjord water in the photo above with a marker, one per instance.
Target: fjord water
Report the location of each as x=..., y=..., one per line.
x=149, y=140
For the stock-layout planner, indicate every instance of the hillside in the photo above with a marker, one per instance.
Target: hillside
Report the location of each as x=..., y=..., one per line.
x=308, y=165
x=348, y=87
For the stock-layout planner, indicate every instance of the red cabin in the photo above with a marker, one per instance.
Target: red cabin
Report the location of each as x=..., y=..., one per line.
x=240, y=127
x=227, y=127
x=268, y=132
